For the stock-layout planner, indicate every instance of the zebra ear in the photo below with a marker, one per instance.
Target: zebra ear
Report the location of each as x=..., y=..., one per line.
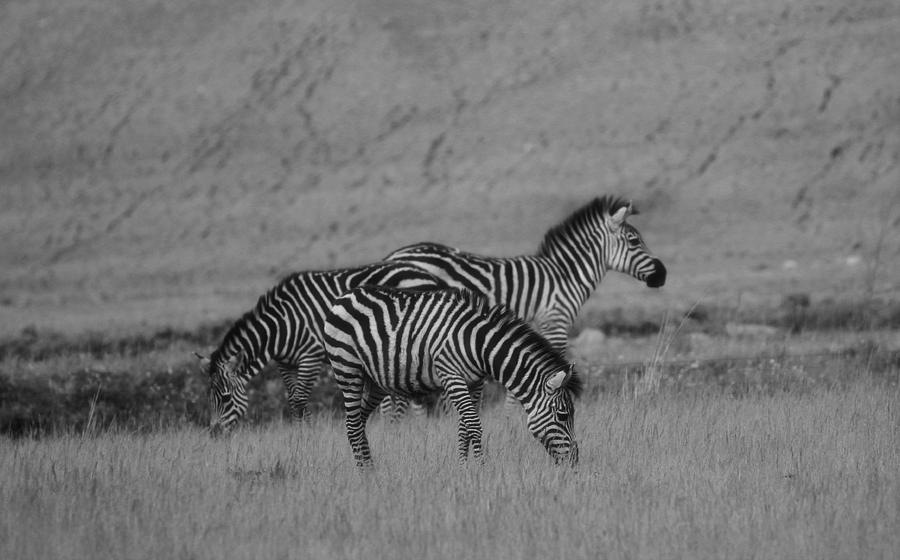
x=556, y=380
x=618, y=218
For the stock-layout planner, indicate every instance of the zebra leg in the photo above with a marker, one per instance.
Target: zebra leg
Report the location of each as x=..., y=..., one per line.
x=444, y=406
x=354, y=388
x=386, y=408
x=371, y=397
x=469, y=432
x=510, y=404
x=393, y=408
x=298, y=382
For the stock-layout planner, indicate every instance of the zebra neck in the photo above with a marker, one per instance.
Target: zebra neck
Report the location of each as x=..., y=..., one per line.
x=251, y=343
x=514, y=362
x=578, y=271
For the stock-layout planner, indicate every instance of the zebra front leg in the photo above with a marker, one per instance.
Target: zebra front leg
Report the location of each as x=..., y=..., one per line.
x=469, y=431
x=510, y=404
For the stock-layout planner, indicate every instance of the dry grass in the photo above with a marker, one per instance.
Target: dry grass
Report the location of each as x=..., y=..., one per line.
x=677, y=475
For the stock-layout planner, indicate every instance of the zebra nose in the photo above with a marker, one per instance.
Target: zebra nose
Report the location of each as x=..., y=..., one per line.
x=215, y=430
x=657, y=278
x=570, y=458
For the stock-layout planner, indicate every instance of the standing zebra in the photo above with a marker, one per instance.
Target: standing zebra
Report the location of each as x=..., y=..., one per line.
x=410, y=343
x=549, y=288
x=285, y=326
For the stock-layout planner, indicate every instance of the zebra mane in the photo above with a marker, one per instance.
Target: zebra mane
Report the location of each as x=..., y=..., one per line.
x=596, y=209
x=574, y=384
x=503, y=314
x=265, y=302
x=473, y=298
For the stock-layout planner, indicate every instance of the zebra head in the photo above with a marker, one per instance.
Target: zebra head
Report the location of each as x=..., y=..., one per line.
x=551, y=418
x=227, y=394
x=626, y=251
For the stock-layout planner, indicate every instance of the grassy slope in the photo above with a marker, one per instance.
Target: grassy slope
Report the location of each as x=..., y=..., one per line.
x=161, y=163
x=704, y=475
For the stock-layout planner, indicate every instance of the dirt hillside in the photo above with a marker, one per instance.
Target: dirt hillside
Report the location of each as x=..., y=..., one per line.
x=163, y=162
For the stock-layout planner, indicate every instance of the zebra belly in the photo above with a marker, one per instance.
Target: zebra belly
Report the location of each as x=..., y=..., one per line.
x=408, y=378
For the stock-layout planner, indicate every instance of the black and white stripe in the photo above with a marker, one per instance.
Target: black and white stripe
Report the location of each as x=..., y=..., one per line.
x=549, y=288
x=410, y=343
x=285, y=326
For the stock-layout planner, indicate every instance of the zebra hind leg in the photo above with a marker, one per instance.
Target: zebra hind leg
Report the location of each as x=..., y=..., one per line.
x=395, y=408
x=298, y=382
x=369, y=402
x=359, y=402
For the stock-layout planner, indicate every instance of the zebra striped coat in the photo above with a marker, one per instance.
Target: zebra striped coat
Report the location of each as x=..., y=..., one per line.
x=549, y=288
x=410, y=343
x=285, y=326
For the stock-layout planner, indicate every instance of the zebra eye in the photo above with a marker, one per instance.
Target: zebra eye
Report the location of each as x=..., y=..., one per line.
x=562, y=415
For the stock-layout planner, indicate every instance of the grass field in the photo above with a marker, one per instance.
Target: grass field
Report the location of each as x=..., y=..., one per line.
x=682, y=474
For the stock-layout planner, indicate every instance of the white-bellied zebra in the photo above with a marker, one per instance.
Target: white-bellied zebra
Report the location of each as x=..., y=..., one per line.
x=285, y=326
x=410, y=343
x=549, y=288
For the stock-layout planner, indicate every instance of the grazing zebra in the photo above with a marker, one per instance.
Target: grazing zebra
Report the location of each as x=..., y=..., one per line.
x=548, y=289
x=382, y=341
x=285, y=326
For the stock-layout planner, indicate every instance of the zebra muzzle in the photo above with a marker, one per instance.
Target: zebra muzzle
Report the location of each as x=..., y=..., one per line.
x=569, y=457
x=216, y=429
x=657, y=278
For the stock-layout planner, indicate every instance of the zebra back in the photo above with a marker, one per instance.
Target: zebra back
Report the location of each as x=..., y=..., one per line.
x=293, y=311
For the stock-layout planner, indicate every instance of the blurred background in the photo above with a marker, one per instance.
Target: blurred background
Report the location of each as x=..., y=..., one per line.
x=164, y=162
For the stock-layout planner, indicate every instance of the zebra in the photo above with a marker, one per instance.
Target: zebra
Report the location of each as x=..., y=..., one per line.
x=549, y=288
x=386, y=341
x=285, y=326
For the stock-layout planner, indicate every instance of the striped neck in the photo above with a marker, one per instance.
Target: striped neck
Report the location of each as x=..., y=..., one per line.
x=581, y=256
x=578, y=243
x=515, y=355
x=249, y=339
